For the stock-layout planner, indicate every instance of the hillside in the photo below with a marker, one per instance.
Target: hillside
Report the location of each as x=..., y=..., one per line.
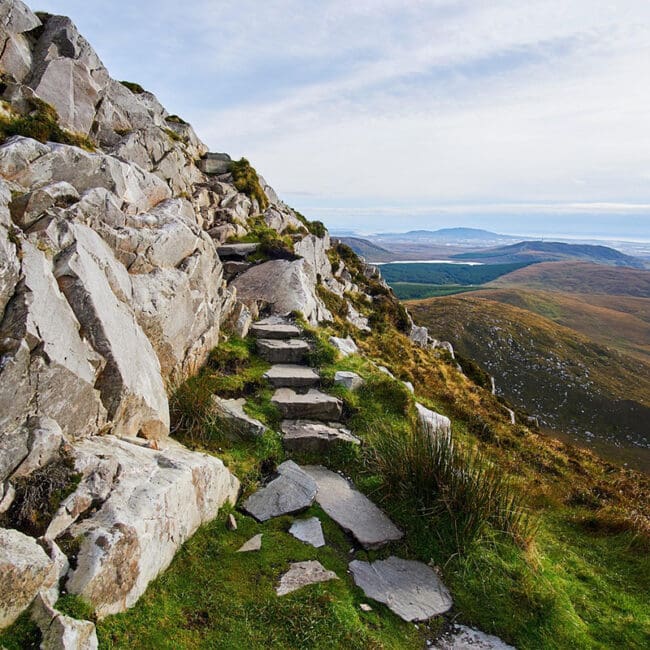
x=621, y=322
x=221, y=429
x=571, y=382
x=541, y=251
x=368, y=250
x=580, y=277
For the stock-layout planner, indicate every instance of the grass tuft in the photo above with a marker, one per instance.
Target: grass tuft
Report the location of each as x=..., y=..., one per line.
x=247, y=181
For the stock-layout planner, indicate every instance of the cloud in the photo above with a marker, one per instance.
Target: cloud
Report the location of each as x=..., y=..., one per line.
x=384, y=102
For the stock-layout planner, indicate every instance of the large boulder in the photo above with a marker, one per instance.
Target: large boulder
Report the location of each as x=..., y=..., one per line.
x=158, y=500
x=284, y=286
x=97, y=286
x=25, y=570
x=45, y=359
x=15, y=51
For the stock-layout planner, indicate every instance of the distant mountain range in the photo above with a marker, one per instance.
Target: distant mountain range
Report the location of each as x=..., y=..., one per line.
x=455, y=235
x=542, y=251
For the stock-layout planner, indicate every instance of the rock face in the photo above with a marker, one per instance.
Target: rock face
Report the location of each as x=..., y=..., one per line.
x=411, y=589
x=25, y=569
x=351, y=510
x=302, y=574
x=157, y=500
x=292, y=491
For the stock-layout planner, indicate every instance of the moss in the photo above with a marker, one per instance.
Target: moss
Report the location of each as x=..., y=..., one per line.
x=76, y=607
x=173, y=135
x=135, y=88
x=272, y=245
x=42, y=123
x=247, y=181
x=23, y=634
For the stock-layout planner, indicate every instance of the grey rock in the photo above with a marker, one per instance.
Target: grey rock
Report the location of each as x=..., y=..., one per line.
x=274, y=329
x=231, y=522
x=239, y=423
x=386, y=371
x=301, y=574
x=283, y=286
x=46, y=360
x=215, y=163
x=314, y=437
x=419, y=336
x=60, y=632
x=291, y=376
x=236, y=251
x=157, y=501
x=28, y=208
x=409, y=386
x=350, y=380
x=314, y=250
x=16, y=17
x=253, y=544
x=25, y=569
x=309, y=531
x=345, y=346
x=45, y=441
x=131, y=386
x=410, y=589
x=351, y=510
x=7, y=496
x=432, y=422
x=311, y=405
x=289, y=351
x=462, y=637
x=233, y=268
x=292, y=491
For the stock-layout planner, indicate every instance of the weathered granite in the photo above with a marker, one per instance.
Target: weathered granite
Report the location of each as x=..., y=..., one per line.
x=282, y=351
x=432, y=422
x=253, y=544
x=345, y=346
x=312, y=405
x=274, y=330
x=238, y=423
x=314, y=437
x=351, y=380
x=461, y=637
x=291, y=376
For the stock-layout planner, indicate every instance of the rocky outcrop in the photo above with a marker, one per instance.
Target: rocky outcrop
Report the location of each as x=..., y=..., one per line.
x=60, y=632
x=157, y=499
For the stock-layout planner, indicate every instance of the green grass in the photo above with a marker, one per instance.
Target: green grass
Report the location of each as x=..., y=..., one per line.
x=247, y=181
x=213, y=597
x=135, y=88
x=446, y=274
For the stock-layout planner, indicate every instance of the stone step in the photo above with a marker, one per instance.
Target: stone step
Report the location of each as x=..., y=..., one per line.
x=284, y=352
x=411, y=589
x=286, y=375
x=236, y=251
x=292, y=491
x=351, y=510
x=314, y=437
x=274, y=328
x=312, y=405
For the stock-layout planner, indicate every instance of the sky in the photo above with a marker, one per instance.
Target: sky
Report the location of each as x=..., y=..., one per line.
x=374, y=115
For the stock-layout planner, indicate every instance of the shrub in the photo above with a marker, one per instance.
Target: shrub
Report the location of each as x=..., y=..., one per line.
x=459, y=491
x=335, y=303
x=314, y=227
x=247, y=181
x=175, y=119
x=135, y=88
x=42, y=124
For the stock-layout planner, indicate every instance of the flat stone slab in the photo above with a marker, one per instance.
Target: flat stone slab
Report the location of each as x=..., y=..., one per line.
x=235, y=267
x=350, y=380
x=275, y=330
x=239, y=424
x=351, y=510
x=410, y=589
x=236, y=251
x=282, y=351
x=312, y=405
x=466, y=638
x=253, y=544
x=292, y=491
x=312, y=436
x=302, y=574
x=309, y=531
x=287, y=375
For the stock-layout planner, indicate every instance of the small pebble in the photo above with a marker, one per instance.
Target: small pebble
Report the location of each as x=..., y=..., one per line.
x=365, y=607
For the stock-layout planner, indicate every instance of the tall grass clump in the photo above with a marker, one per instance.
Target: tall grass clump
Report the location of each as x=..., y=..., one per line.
x=462, y=494
x=247, y=181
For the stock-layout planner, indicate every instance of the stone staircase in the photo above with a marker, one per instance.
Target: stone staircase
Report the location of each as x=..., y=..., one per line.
x=313, y=422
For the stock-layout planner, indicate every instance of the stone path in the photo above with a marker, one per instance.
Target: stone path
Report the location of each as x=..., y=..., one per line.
x=466, y=638
x=312, y=424
x=292, y=491
x=411, y=589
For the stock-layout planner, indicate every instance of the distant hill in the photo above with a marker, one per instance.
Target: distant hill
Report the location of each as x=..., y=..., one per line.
x=573, y=382
x=367, y=249
x=542, y=251
x=580, y=277
x=446, y=234
x=432, y=273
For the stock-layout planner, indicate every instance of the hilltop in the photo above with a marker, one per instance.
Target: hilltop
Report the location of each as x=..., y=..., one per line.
x=540, y=251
